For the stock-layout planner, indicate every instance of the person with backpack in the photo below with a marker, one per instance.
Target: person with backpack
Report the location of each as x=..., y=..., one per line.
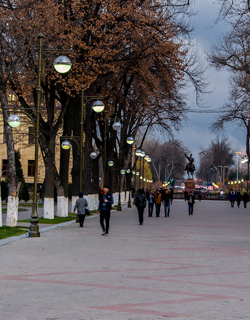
x=140, y=202
x=158, y=200
x=105, y=204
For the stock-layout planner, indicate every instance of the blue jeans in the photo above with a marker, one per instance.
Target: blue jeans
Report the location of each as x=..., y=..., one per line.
x=150, y=209
x=157, y=209
x=166, y=208
x=190, y=208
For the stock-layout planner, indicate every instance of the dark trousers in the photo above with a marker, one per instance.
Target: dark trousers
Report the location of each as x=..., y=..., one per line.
x=245, y=204
x=105, y=215
x=157, y=209
x=190, y=208
x=140, y=214
x=81, y=219
x=150, y=209
x=232, y=203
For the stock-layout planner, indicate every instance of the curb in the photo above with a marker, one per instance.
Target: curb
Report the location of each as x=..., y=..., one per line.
x=42, y=230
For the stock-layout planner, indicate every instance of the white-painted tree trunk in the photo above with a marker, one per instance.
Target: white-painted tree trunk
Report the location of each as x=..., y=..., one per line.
x=1, y=215
x=62, y=207
x=12, y=211
x=74, y=198
x=66, y=208
x=48, y=208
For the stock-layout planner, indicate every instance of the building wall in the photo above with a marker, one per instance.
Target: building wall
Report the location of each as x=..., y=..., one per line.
x=25, y=145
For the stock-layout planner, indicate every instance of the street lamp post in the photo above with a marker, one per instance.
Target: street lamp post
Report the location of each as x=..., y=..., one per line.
x=138, y=154
x=97, y=106
x=62, y=64
x=130, y=141
x=238, y=152
x=117, y=126
x=142, y=169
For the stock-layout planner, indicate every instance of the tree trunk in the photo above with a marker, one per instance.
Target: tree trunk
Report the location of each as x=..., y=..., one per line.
x=62, y=197
x=13, y=183
x=76, y=149
x=48, y=148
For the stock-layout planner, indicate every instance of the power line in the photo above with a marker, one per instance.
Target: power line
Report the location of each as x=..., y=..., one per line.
x=206, y=111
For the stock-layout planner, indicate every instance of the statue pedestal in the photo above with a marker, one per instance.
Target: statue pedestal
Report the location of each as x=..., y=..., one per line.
x=189, y=185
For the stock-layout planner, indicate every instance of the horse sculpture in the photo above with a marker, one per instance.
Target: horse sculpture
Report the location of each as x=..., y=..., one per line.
x=190, y=167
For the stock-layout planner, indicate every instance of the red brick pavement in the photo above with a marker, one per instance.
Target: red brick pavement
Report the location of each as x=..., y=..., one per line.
x=177, y=267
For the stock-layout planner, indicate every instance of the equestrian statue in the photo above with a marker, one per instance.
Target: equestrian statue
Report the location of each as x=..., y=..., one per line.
x=190, y=167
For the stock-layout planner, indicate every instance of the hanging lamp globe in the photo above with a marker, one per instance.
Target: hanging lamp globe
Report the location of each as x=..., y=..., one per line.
x=66, y=145
x=98, y=106
x=62, y=64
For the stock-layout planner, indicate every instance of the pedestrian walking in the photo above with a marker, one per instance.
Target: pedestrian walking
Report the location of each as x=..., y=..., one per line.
x=167, y=200
x=151, y=201
x=191, y=203
x=140, y=202
x=104, y=207
x=158, y=203
x=80, y=205
x=232, y=199
x=238, y=198
x=245, y=199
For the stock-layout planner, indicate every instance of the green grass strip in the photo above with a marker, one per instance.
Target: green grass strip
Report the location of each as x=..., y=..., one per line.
x=4, y=210
x=56, y=220
x=6, y=232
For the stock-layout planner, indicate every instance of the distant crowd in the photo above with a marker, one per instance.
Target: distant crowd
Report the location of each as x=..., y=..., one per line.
x=159, y=197
x=145, y=198
x=237, y=197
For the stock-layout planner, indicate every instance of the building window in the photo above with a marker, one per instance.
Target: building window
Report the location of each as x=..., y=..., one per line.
x=31, y=168
x=31, y=135
x=4, y=168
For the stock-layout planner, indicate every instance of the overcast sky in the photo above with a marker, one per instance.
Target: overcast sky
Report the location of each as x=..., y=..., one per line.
x=195, y=132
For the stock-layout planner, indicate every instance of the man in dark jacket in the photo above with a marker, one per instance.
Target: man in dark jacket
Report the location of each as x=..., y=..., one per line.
x=191, y=203
x=245, y=199
x=151, y=201
x=105, y=204
x=167, y=200
x=81, y=204
x=140, y=202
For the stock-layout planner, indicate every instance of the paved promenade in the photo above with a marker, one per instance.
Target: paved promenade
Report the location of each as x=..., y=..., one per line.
x=182, y=267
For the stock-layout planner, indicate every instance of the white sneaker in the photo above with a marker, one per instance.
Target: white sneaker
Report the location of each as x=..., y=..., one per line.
x=103, y=234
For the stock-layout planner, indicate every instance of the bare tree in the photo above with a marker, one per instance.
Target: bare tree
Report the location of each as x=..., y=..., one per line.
x=168, y=160
x=218, y=154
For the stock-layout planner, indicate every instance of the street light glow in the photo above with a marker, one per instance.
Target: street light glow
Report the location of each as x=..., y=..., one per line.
x=66, y=145
x=62, y=64
x=14, y=121
x=138, y=153
x=110, y=163
x=98, y=106
x=130, y=140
